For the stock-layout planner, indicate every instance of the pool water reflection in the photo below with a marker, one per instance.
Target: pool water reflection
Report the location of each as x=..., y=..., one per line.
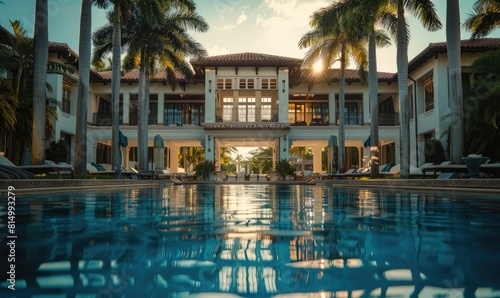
x=255, y=241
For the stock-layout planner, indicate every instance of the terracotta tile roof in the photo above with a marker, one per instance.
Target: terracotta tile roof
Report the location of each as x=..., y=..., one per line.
x=467, y=46
x=133, y=75
x=71, y=56
x=247, y=59
x=353, y=75
x=61, y=47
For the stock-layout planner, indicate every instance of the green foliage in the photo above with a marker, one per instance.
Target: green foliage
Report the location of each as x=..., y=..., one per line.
x=262, y=159
x=57, y=152
x=204, y=169
x=434, y=152
x=284, y=168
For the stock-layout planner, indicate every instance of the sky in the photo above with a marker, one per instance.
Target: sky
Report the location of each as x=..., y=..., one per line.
x=264, y=26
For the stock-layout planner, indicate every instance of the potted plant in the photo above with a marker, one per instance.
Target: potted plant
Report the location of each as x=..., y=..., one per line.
x=284, y=168
x=205, y=169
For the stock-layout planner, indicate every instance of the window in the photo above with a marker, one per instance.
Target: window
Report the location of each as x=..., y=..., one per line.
x=227, y=109
x=104, y=106
x=66, y=97
x=269, y=84
x=184, y=113
x=266, y=109
x=429, y=93
x=247, y=84
x=246, y=109
x=224, y=84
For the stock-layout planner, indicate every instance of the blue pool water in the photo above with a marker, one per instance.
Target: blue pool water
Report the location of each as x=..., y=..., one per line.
x=254, y=241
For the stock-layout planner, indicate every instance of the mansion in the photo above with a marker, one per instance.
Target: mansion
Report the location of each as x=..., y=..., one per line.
x=261, y=100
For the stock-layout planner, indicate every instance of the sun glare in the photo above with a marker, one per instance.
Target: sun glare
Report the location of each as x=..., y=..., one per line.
x=318, y=66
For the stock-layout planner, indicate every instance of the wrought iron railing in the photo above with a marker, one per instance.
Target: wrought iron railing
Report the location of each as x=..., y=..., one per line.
x=246, y=115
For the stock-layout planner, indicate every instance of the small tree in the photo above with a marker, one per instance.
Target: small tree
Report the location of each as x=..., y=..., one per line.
x=434, y=152
x=284, y=168
x=204, y=169
x=58, y=151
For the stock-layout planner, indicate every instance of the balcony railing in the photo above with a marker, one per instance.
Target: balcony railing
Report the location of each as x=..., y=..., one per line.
x=104, y=119
x=152, y=119
x=249, y=115
x=350, y=118
x=388, y=119
x=308, y=118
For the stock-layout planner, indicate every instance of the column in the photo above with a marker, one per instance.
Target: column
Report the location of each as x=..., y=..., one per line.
x=317, y=154
x=284, y=146
x=209, y=148
x=126, y=108
x=161, y=108
x=210, y=86
x=283, y=93
x=174, y=152
x=126, y=158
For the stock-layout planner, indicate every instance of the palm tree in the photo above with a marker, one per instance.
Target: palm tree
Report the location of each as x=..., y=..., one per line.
x=455, y=81
x=41, y=57
x=482, y=112
x=156, y=43
x=18, y=58
x=84, y=50
x=331, y=42
x=425, y=12
x=83, y=88
x=366, y=15
x=485, y=18
x=164, y=45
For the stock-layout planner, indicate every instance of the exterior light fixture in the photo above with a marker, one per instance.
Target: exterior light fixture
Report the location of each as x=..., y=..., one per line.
x=209, y=138
x=210, y=86
x=283, y=86
x=284, y=138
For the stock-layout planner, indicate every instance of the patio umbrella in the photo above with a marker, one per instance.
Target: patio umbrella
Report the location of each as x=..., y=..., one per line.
x=26, y=157
x=123, y=142
x=158, y=152
x=332, y=142
x=368, y=142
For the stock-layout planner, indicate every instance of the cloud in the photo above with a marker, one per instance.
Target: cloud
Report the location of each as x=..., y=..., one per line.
x=282, y=7
x=217, y=50
x=225, y=27
x=259, y=19
x=242, y=18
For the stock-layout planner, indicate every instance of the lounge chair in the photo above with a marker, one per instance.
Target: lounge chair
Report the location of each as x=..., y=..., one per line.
x=444, y=167
x=104, y=170
x=490, y=169
x=50, y=168
x=8, y=170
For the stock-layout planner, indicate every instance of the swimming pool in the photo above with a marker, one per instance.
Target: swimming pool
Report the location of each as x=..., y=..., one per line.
x=254, y=241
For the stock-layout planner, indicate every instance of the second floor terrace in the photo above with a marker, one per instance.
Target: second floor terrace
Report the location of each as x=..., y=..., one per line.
x=191, y=110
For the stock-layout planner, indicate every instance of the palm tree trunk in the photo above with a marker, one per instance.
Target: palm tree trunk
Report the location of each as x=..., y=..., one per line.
x=341, y=109
x=41, y=57
x=142, y=125
x=115, y=90
x=83, y=88
x=455, y=81
x=373, y=85
x=402, y=64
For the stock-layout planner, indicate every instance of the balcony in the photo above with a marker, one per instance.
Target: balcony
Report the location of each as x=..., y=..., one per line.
x=152, y=119
x=253, y=115
x=388, y=119
x=104, y=119
x=351, y=118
